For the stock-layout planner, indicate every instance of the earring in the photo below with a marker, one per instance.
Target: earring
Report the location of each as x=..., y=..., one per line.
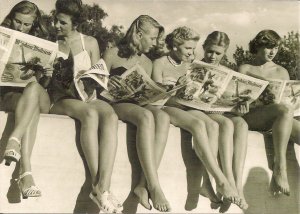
x=174, y=49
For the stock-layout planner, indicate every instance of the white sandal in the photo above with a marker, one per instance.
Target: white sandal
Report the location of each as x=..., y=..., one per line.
x=32, y=191
x=12, y=154
x=106, y=202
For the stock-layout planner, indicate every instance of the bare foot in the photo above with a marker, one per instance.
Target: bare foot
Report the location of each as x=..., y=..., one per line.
x=208, y=191
x=191, y=201
x=243, y=204
x=159, y=200
x=225, y=206
x=228, y=193
x=279, y=182
x=142, y=194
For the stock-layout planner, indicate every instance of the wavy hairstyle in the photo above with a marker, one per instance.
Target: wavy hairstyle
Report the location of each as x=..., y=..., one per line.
x=73, y=8
x=28, y=8
x=130, y=44
x=217, y=38
x=265, y=39
x=179, y=36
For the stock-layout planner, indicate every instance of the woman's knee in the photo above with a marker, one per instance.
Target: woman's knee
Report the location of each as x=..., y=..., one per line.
x=212, y=126
x=89, y=115
x=197, y=126
x=145, y=118
x=163, y=117
x=226, y=124
x=239, y=123
x=283, y=110
x=109, y=115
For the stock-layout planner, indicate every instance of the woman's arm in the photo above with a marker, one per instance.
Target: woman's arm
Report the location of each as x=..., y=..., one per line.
x=157, y=74
x=94, y=49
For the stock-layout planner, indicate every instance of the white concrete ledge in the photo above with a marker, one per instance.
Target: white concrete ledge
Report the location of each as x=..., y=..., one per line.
x=59, y=171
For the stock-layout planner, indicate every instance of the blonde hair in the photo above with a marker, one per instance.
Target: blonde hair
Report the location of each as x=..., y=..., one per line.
x=179, y=36
x=129, y=44
x=217, y=38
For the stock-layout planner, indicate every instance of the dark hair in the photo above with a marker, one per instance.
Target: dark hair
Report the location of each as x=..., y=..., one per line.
x=217, y=38
x=129, y=44
x=26, y=7
x=179, y=36
x=72, y=8
x=266, y=39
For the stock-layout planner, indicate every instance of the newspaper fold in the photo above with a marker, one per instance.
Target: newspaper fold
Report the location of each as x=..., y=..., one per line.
x=86, y=81
x=217, y=88
x=135, y=85
x=24, y=58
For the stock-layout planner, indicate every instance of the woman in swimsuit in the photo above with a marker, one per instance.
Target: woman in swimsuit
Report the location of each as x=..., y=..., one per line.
x=99, y=123
x=152, y=124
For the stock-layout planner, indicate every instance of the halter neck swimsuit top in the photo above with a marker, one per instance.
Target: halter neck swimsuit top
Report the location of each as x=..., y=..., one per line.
x=82, y=60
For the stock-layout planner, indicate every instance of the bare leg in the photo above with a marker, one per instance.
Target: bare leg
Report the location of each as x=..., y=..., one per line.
x=202, y=148
x=240, y=137
x=212, y=129
x=295, y=135
x=279, y=118
x=28, y=142
x=144, y=121
x=108, y=127
x=162, y=124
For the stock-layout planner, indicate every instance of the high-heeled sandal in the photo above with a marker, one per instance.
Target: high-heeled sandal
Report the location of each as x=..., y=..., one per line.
x=12, y=154
x=106, y=202
x=32, y=191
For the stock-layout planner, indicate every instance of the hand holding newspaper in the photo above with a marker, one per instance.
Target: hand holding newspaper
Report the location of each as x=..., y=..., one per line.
x=134, y=85
x=86, y=81
x=216, y=88
x=24, y=58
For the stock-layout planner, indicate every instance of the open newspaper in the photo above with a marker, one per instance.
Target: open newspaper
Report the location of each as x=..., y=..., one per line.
x=86, y=81
x=135, y=85
x=217, y=88
x=282, y=91
x=23, y=57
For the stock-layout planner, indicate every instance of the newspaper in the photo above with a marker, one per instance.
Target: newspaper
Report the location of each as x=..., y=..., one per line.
x=23, y=57
x=86, y=81
x=136, y=86
x=282, y=91
x=217, y=88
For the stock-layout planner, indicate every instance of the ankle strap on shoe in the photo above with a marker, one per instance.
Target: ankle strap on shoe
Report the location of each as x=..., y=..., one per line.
x=24, y=174
x=15, y=139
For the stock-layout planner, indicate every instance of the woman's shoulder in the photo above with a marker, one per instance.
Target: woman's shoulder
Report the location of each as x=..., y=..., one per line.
x=90, y=41
x=282, y=72
x=160, y=61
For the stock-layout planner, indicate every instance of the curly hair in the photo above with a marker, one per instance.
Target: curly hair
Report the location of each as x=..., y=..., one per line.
x=129, y=44
x=28, y=8
x=179, y=36
x=217, y=38
x=266, y=39
x=72, y=8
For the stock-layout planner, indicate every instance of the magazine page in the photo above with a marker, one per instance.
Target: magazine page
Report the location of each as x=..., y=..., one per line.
x=241, y=88
x=25, y=58
x=6, y=41
x=86, y=81
x=207, y=83
x=134, y=86
x=291, y=95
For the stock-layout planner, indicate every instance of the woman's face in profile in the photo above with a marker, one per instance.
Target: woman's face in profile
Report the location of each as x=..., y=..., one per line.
x=213, y=54
x=267, y=54
x=22, y=22
x=186, y=51
x=63, y=24
x=148, y=39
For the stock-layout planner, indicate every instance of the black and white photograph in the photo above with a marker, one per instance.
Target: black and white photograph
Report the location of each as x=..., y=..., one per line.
x=150, y=106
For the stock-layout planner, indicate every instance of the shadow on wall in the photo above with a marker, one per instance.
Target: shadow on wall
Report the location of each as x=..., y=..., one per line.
x=13, y=194
x=256, y=188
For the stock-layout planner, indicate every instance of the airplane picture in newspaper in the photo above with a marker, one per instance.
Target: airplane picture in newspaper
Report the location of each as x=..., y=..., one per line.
x=204, y=87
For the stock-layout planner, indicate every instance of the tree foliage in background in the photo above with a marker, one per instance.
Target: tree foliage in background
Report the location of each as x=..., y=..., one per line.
x=92, y=25
x=288, y=56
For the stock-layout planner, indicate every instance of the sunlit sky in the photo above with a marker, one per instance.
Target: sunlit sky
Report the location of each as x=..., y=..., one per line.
x=241, y=20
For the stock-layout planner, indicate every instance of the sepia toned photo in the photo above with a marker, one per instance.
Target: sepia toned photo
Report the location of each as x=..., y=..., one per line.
x=147, y=106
